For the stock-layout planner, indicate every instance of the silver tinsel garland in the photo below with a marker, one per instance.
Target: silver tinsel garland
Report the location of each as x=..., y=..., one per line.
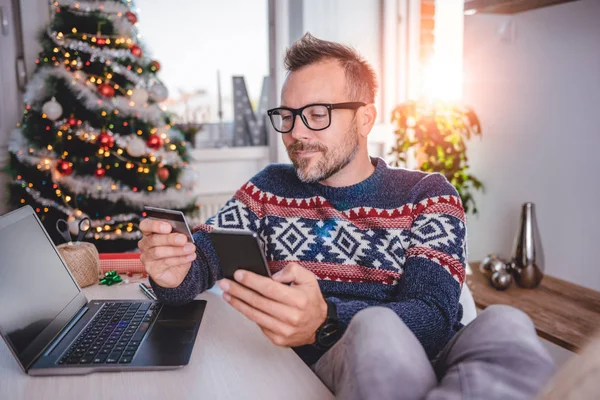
x=127, y=73
x=36, y=91
x=102, y=188
x=106, y=52
x=167, y=157
x=94, y=222
x=17, y=144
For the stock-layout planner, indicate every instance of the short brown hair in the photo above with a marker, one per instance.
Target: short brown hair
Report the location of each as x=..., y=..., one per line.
x=360, y=75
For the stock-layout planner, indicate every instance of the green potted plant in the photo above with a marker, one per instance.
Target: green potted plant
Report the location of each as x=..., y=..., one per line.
x=435, y=133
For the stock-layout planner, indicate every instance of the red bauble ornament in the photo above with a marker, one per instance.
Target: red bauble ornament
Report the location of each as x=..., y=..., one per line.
x=163, y=174
x=106, y=140
x=154, y=142
x=136, y=50
x=100, y=41
x=155, y=66
x=72, y=121
x=64, y=167
x=106, y=90
x=131, y=17
x=100, y=172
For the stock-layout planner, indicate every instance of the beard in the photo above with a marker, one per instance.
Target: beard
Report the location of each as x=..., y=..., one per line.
x=326, y=164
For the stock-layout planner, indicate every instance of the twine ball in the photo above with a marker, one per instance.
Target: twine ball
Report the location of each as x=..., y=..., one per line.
x=83, y=262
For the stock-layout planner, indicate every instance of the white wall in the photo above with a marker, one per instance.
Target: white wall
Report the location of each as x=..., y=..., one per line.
x=357, y=23
x=352, y=22
x=35, y=15
x=537, y=93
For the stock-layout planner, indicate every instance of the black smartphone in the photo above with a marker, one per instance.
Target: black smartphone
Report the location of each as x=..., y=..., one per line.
x=175, y=218
x=238, y=249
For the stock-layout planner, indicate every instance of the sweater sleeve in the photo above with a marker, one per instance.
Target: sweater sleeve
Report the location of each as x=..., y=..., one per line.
x=427, y=297
x=240, y=212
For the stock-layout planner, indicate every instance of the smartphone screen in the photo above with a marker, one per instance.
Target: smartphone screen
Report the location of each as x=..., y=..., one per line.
x=175, y=218
x=237, y=249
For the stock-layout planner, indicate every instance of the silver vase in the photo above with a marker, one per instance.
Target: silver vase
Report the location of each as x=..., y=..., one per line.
x=528, y=258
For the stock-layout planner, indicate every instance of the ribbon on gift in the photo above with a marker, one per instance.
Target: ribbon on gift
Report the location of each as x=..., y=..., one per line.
x=110, y=278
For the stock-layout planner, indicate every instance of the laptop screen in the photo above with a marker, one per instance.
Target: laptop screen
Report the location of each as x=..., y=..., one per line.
x=35, y=286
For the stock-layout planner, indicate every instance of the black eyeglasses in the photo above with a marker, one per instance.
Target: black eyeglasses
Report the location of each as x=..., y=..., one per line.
x=316, y=117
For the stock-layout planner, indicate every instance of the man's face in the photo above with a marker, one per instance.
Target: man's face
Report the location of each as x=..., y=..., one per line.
x=317, y=155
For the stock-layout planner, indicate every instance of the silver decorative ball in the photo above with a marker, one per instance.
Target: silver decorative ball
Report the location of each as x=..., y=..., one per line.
x=52, y=109
x=189, y=178
x=491, y=264
x=136, y=147
x=158, y=92
x=501, y=280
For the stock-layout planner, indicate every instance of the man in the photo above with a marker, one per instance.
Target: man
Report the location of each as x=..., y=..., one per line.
x=375, y=255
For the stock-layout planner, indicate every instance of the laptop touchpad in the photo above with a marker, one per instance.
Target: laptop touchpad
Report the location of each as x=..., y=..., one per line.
x=174, y=332
x=191, y=311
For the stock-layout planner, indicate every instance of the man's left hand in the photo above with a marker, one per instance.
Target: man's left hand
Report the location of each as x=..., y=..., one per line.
x=288, y=315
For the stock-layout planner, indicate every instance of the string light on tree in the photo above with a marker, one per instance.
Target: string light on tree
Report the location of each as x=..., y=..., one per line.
x=100, y=172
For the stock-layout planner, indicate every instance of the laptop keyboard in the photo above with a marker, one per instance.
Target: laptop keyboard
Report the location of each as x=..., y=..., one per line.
x=114, y=335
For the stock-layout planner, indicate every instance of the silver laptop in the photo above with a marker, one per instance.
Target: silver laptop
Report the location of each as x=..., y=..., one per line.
x=52, y=329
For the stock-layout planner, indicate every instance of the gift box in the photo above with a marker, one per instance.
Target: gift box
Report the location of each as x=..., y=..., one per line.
x=123, y=263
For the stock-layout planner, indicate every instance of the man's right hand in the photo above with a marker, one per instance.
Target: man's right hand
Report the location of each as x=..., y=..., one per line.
x=166, y=256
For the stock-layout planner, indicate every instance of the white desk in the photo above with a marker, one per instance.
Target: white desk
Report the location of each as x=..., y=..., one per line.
x=232, y=359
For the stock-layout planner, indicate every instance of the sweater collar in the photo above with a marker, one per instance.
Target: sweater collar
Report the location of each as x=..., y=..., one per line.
x=365, y=187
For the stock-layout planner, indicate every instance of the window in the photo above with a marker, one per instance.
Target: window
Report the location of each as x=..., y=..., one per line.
x=441, y=49
x=201, y=46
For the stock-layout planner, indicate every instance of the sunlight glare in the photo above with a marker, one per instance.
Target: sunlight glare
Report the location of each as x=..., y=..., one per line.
x=443, y=77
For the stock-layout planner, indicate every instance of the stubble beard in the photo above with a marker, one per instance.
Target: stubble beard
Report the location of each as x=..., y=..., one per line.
x=329, y=162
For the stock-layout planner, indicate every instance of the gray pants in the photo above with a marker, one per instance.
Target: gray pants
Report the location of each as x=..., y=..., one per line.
x=497, y=356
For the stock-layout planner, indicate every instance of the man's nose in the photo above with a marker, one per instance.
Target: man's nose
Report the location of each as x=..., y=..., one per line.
x=300, y=130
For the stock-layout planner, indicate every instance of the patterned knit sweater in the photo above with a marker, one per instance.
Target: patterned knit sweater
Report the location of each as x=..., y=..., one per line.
x=396, y=239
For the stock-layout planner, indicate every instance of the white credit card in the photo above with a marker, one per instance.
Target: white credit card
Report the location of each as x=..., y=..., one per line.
x=175, y=218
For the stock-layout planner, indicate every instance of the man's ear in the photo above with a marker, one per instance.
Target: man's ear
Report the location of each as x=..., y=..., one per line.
x=367, y=119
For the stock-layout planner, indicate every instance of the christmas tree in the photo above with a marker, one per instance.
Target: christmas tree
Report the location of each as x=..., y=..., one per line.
x=93, y=141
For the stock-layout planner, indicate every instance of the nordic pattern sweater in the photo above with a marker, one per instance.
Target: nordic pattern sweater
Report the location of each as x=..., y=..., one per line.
x=396, y=239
